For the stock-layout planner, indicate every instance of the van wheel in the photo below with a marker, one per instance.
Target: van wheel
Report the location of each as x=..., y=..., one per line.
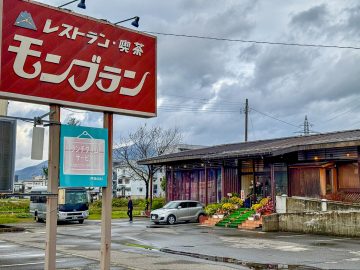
x=171, y=219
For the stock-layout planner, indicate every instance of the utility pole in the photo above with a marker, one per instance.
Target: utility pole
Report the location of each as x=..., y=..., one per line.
x=246, y=119
x=306, y=126
x=53, y=185
x=105, y=253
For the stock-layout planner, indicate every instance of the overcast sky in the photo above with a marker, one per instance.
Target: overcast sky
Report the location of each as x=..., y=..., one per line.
x=203, y=84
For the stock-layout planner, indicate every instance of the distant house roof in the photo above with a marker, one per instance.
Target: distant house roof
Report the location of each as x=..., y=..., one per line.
x=272, y=147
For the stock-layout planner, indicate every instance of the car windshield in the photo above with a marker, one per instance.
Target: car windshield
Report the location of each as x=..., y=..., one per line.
x=171, y=205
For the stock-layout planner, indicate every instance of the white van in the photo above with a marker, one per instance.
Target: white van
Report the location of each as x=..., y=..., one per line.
x=73, y=204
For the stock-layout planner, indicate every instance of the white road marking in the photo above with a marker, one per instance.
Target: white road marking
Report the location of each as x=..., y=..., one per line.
x=353, y=259
x=24, y=264
x=22, y=255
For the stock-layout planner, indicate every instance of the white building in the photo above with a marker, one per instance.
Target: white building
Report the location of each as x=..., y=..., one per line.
x=37, y=181
x=125, y=184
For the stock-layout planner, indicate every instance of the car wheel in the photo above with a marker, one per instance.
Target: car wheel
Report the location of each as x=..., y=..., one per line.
x=199, y=217
x=171, y=219
x=81, y=221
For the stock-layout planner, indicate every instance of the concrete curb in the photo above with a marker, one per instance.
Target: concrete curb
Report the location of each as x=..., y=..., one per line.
x=251, y=265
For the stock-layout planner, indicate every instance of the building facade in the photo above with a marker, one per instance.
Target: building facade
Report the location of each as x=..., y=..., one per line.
x=318, y=166
x=125, y=183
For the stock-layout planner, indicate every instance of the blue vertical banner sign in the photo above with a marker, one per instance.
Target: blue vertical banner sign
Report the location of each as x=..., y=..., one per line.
x=83, y=156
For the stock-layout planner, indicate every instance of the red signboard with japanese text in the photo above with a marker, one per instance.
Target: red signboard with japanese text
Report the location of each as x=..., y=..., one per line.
x=52, y=56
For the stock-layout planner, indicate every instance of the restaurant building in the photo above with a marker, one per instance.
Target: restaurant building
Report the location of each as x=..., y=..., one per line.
x=316, y=166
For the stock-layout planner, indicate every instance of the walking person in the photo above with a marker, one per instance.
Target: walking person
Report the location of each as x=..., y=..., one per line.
x=130, y=209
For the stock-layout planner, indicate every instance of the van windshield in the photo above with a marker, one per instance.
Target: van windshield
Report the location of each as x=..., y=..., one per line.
x=171, y=205
x=74, y=196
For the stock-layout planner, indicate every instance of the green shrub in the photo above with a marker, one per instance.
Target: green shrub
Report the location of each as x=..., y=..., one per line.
x=138, y=202
x=119, y=202
x=211, y=209
x=236, y=200
x=142, y=204
x=96, y=204
x=157, y=203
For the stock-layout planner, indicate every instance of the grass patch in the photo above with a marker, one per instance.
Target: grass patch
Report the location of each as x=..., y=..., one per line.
x=139, y=246
x=9, y=218
x=117, y=212
x=17, y=210
x=14, y=211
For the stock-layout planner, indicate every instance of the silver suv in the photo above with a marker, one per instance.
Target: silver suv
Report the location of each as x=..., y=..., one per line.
x=175, y=211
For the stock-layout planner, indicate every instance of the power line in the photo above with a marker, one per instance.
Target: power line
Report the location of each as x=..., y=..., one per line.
x=275, y=118
x=191, y=109
x=196, y=111
x=252, y=127
x=73, y=111
x=204, y=99
x=255, y=41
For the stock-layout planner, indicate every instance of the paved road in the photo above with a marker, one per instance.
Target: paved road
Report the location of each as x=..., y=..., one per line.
x=142, y=246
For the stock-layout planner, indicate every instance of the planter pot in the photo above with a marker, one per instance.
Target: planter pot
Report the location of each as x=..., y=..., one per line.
x=202, y=219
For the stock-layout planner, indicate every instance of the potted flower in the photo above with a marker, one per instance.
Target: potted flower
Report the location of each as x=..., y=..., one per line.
x=236, y=201
x=228, y=207
x=211, y=209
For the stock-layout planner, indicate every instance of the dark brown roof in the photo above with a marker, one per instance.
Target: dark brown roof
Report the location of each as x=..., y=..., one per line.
x=272, y=147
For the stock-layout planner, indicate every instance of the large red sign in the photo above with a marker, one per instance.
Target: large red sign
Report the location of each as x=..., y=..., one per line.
x=52, y=56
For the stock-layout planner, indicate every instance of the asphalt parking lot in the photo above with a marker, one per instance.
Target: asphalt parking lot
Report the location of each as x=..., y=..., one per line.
x=140, y=245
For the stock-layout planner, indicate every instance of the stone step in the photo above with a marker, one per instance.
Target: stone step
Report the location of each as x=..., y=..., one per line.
x=251, y=224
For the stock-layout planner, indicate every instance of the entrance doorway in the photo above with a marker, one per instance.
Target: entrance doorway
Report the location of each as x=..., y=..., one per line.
x=262, y=186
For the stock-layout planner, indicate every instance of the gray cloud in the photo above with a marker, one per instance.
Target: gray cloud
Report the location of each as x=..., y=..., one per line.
x=313, y=17
x=203, y=83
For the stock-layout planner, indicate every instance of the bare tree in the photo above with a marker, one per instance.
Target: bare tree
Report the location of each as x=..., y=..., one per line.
x=146, y=142
x=73, y=121
x=45, y=171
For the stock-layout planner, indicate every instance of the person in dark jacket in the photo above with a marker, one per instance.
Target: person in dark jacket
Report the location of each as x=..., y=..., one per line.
x=130, y=209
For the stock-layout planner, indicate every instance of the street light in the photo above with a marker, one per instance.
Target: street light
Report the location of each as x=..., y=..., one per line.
x=134, y=23
x=80, y=5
